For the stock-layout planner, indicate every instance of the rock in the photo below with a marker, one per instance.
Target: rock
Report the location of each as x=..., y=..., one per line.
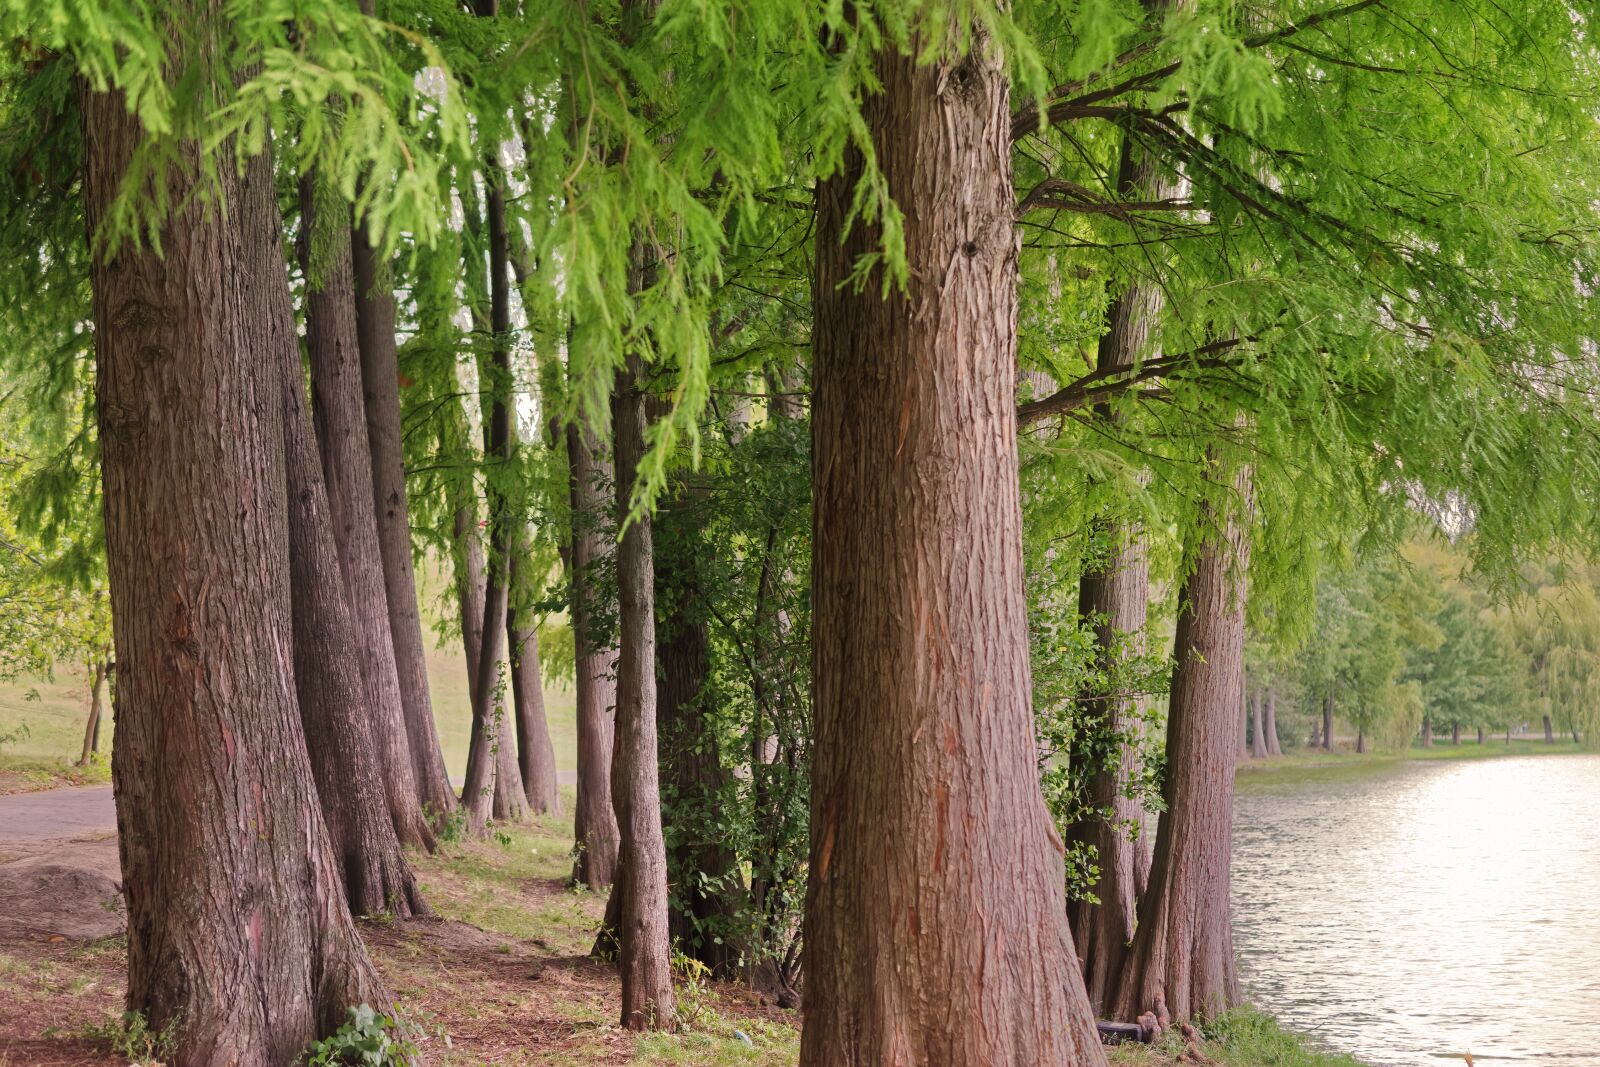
x=52, y=900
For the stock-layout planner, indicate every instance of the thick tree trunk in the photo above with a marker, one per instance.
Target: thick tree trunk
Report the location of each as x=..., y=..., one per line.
x=1455, y=733
x=644, y=943
x=340, y=419
x=345, y=760
x=1327, y=723
x=1361, y=740
x=91, y=729
x=1427, y=732
x=380, y=384
x=536, y=757
x=1549, y=731
x=238, y=937
x=1274, y=746
x=924, y=942
x=1480, y=735
x=1181, y=964
x=595, y=834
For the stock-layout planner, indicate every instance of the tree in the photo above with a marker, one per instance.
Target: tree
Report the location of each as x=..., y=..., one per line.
x=1181, y=963
x=923, y=751
x=339, y=416
x=240, y=935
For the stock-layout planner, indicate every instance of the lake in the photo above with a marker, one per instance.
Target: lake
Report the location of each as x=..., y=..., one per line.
x=1409, y=913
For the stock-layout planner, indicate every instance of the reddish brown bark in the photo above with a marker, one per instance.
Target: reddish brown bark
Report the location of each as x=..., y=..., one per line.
x=924, y=942
x=644, y=946
x=340, y=419
x=1181, y=963
x=238, y=936
x=595, y=833
x=380, y=382
x=536, y=757
x=345, y=760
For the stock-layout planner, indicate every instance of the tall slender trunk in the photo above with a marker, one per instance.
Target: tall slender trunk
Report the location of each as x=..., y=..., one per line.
x=1327, y=723
x=924, y=750
x=477, y=791
x=1258, y=726
x=91, y=729
x=1427, y=732
x=595, y=834
x=1112, y=597
x=644, y=943
x=238, y=937
x=1361, y=740
x=536, y=757
x=1274, y=746
x=1181, y=964
x=345, y=758
x=1455, y=733
x=380, y=387
x=1549, y=731
x=1480, y=735
x=339, y=415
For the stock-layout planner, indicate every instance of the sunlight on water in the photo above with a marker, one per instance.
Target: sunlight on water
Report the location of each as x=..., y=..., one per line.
x=1427, y=910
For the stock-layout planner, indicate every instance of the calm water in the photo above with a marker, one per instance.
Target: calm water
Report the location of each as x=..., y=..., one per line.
x=1419, y=911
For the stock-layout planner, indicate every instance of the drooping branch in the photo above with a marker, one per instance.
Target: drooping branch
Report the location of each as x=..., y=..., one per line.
x=1061, y=194
x=1102, y=384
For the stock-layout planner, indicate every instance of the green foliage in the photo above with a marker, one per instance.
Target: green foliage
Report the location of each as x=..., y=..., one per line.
x=130, y=1036
x=369, y=1039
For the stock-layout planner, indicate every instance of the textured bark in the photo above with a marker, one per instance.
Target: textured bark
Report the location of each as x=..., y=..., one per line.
x=1181, y=964
x=345, y=760
x=926, y=944
x=595, y=834
x=340, y=419
x=1274, y=746
x=477, y=790
x=91, y=729
x=1113, y=595
x=238, y=936
x=644, y=943
x=380, y=385
x=536, y=756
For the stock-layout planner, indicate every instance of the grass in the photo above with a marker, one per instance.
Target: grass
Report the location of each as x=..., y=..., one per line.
x=1302, y=760
x=1242, y=1038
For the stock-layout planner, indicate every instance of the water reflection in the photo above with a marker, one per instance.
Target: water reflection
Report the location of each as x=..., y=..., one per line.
x=1413, y=913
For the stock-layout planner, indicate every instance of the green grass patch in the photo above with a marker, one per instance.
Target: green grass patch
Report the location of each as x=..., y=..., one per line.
x=1242, y=1038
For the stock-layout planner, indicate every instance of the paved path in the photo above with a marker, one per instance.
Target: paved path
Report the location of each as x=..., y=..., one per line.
x=56, y=813
x=51, y=814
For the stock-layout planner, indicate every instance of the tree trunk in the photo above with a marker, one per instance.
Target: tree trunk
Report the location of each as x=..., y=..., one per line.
x=340, y=419
x=345, y=759
x=1258, y=731
x=702, y=868
x=1455, y=733
x=1181, y=963
x=238, y=937
x=380, y=382
x=1549, y=731
x=1114, y=597
x=477, y=790
x=1274, y=747
x=1480, y=735
x=1508, y=735
x=535, y=755
x=644, y=944
x=1327, y=723
x=1361, y=741
x=924, y=942
x=1427, y=732
x=91, y=729
x=595, y=833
